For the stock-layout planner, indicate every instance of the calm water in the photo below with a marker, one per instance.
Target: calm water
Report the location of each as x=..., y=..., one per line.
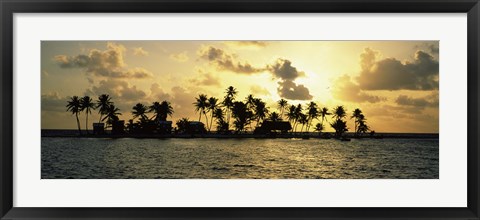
x=239, y=158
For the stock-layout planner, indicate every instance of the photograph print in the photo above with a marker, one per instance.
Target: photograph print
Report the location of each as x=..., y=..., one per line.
x=239, y=109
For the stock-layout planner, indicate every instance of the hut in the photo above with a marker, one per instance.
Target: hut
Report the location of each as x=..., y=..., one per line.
x=195, y=127
x=268, y=127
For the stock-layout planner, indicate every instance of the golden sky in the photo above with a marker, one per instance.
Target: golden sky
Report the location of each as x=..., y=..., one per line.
x=394, y=83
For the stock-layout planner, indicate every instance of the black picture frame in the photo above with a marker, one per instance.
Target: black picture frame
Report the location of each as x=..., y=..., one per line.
x=9, y=7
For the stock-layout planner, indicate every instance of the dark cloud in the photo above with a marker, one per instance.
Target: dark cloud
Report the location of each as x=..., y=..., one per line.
x=433, y=48
x=107, y=63
x=346, y=90
x=283, y=69
x=290, y=90
x=428, y=101
x=225, y=61
x=392, y=74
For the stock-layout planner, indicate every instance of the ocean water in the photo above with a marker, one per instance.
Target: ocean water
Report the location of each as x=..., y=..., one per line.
x=249, y=158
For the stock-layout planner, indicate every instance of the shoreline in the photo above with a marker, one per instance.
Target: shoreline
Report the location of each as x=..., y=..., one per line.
x=53, y=133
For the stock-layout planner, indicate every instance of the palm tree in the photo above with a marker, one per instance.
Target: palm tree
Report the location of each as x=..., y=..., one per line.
x=340, y=127
x=319, y=128
x=339, y=112
x=102, y=105
x=201, y=104
x=165, y=110
x=87, y=105
x=302, y=119
x=112, y=114
x=242, y=115
x=212, y=106
x=228, y=104
x=312, y=113
x=298, y=114
x=274, y=116
x=356, y=114
x=261, y=110
x=250, y=102
x=182, y=125
x=282, y=104
x=324, y=113
x=74, y=106
x=363, y=127
x=140, y=110
x=155, y=108
x=231, y=92
x=291, y=114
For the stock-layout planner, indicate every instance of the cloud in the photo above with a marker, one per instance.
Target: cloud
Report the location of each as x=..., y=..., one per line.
x=156, y=93
x=283, y=69
x=225, y=61
x=258, y=90
x=392, y=74
x=180, y=57
x=107, y=63
x=139, y=51
x=347, y=90
x=427, y=101
x=119, y=90
x=290, y=90
x=287, y=73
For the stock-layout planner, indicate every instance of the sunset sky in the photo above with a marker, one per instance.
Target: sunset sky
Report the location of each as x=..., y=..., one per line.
x=394, y=83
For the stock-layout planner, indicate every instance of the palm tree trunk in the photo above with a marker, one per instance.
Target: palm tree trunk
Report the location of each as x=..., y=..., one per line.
x=78, y=124
x=211, y=122
x=86, y=124
x=100, y=119
x=206, y=119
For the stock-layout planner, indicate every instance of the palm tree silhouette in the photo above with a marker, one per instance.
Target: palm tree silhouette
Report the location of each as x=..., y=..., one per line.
x=212, y=106
x=312, y=113
x=201, y=104
x=103, y=103
x=260, y=109
x=228, y=100
x=339, y=125
x=182, y=125
x=140, y=110
x=274, y=116
x=74, y=106
x=242, y=115
x=303, y=120
x=87, y=105
x=282, y=104
x=228, y=104
x=291, y=115
x=319, y=128
x=357, y=113
x=324, y=113
x=339, y=112
x=155, y=108
x=298, y=114
x=166, y=110
x=112, y=114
